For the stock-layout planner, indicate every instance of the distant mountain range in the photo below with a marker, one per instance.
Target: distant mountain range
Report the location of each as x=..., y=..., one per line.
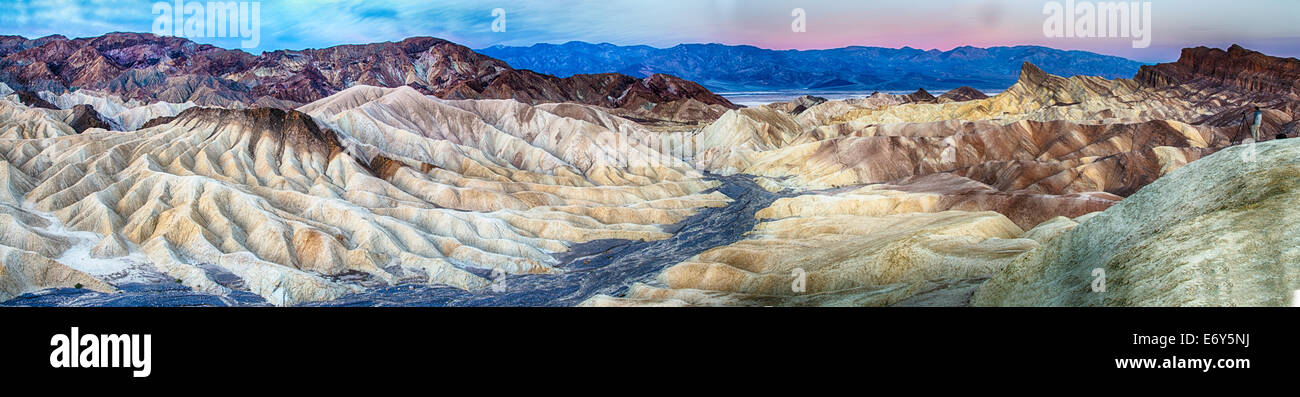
x=748, y=68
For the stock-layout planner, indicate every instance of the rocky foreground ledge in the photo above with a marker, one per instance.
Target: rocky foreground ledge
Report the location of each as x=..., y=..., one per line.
x=1221, y=231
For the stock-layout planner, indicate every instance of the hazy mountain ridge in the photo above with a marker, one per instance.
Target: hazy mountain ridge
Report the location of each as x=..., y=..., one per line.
x=745, y=68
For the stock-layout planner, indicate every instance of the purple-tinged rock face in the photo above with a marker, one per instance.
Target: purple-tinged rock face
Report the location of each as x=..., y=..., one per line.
x=153, y=68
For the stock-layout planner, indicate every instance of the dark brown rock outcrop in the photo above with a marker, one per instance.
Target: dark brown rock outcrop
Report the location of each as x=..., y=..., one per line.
x=962, y=94
x=799, y=105
x=85, y=117
x=921, y=95
x=32, y=100
x=1236, y=67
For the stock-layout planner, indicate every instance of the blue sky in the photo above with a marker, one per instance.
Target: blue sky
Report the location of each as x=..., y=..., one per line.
x=1272, y=26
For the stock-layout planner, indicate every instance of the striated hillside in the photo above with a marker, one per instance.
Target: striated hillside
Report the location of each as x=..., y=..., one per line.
x=389, y=186
x=919, y=203
x=1046, y=134
x=1222, y=231
x=150, y=68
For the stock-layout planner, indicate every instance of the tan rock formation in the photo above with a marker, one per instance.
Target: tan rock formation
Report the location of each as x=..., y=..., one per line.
x=840, y=260
x=926, y=241
x=25, y=271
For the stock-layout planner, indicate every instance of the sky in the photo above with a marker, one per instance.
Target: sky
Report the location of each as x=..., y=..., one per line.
x=1270, y=26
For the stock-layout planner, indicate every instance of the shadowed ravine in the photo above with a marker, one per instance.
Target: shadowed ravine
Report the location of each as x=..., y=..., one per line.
x=596, y=267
